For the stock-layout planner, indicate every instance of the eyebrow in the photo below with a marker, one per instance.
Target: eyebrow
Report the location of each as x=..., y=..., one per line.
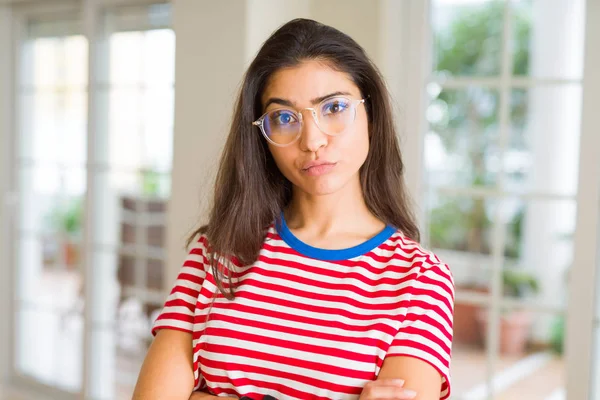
x=317, y=100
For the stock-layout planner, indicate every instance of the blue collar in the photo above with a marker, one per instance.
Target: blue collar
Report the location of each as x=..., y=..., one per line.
x=327, y=254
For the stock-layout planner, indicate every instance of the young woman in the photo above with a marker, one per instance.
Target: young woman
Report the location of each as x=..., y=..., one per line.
x=308, y=281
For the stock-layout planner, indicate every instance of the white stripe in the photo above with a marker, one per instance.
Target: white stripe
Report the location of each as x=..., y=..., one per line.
x=247, y=389
x=312, y=302
x=430, y=344
x=327, y=278
x=302, y=340
x=278, y=381
x=292, y=369
x=327, y=329
x=183, y=296
x=178, y=310
x=172, y=323
x=439, y=334
x=289, y=353
x=332, y=315
x=195, y=271
x=309, y=289
x=433, y=312
x=443, y=279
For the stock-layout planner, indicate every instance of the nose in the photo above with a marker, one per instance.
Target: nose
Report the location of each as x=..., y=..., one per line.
x=311, y=137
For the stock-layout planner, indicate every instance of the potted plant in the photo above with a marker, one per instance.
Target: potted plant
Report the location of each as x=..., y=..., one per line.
x=515, y=324
x=67, y=220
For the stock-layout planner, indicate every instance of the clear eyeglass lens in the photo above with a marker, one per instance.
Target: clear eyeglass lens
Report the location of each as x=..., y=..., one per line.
x=333, y=117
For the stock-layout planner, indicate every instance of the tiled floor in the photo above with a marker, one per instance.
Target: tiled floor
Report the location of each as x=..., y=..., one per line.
x=532, y=376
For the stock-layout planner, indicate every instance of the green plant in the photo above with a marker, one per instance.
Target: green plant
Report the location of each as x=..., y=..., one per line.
x=557, y=334
x=150, y=182
x=68, y=217
x=519, y=283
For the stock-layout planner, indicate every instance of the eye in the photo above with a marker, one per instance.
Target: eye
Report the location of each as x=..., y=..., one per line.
x=283, y=117
x=335, y=106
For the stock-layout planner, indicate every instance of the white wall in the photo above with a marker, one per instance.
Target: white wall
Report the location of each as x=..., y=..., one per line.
x=209, y=63
x=215, y=41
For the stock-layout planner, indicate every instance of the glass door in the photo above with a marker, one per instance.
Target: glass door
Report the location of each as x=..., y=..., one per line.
x=50, y=172
x=131, y=172
x=93, y=148
x=501, y=173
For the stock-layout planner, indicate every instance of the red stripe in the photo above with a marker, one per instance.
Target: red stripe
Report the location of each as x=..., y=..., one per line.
x=175, y=316
x=343, y=285
x=333, y=310
x=426, y=319
x=185, y=290
x=350, y=272
x=316, y=322
x=180, y=303
x=335, y=300
x=411, y=344
x=220, y=350
x=241, y=322
x=275, y=373
x=426, y=335
x=334, y=352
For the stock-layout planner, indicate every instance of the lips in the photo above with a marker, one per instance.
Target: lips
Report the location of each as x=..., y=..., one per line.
x=317, y=168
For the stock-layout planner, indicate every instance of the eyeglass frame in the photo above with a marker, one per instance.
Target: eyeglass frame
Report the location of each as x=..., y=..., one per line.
x=260, y=121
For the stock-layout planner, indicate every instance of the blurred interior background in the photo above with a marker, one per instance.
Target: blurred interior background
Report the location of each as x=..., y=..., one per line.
x=113, y=112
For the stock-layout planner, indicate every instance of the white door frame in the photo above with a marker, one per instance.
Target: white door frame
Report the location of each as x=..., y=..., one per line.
x=583, y=285
x=6, y=198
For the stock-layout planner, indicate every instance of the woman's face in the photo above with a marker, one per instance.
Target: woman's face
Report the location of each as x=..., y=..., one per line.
x=317, y=163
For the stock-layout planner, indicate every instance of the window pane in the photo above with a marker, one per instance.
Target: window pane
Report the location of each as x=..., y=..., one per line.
x=55, y=356
x=543, y=150
x=51, y=176
x=460, y=224
x=159, y=66
x=52, y=201
x=126, y=58
x=461, y=146
x=461, y=233
x=53, y=101
x=548, y=38
x=539, y=250
x=467, y=37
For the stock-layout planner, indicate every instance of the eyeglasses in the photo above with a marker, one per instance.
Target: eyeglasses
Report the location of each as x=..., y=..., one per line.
x=333, y=116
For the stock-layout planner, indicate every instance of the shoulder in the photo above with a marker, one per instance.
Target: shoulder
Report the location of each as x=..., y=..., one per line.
x=197, y=249
x=423, y=264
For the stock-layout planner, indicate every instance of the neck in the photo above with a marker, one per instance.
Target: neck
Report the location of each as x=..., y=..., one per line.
x=341, y=212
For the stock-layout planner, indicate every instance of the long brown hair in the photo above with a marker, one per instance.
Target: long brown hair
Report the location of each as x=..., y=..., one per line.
x=250, y=191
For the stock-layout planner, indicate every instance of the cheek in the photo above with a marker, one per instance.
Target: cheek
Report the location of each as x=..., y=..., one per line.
x=356, y=147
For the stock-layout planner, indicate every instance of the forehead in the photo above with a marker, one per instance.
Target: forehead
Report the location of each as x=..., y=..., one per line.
x=306, y=81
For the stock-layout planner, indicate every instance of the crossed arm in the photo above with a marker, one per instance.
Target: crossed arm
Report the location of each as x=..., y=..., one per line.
x=167, y=373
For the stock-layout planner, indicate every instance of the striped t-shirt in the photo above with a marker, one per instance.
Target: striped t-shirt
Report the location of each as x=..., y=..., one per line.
x=309, y=323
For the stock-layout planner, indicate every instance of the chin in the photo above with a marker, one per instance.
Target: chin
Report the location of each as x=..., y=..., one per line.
x=322, y=187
